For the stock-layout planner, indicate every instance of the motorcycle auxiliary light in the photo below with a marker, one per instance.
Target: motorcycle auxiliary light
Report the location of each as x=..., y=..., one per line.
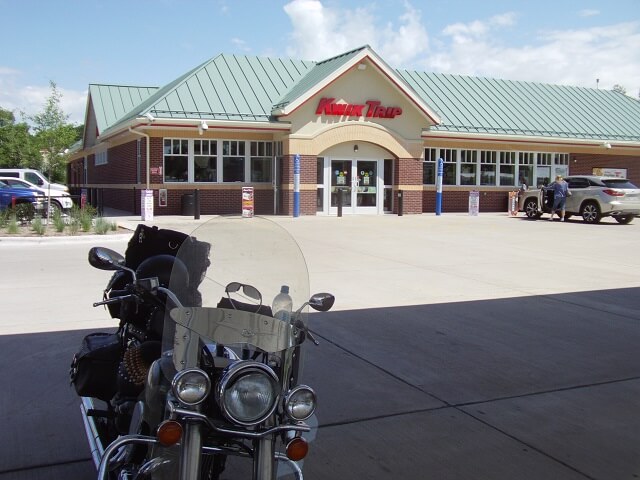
x=297, y=449
x=169, y=433
x=191, y=386
x=247, y=393
x=300, y=403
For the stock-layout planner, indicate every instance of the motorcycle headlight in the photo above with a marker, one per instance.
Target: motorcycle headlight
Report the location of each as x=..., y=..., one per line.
x=247, y=393
x=300, y=403
x=191, y=386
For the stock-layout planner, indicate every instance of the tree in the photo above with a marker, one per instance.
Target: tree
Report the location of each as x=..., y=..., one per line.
x=53, y=135
x=620, y=89
x=6, y=117
x=17, y=146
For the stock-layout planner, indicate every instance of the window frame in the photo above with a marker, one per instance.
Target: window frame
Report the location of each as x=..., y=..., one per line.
x=517, y=161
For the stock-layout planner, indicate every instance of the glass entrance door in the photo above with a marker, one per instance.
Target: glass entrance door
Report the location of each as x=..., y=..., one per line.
x=366, y=186
x=341, y=185
x=354, y=183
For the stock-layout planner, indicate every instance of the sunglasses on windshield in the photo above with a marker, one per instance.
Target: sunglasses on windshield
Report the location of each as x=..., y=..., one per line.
x=247, y=290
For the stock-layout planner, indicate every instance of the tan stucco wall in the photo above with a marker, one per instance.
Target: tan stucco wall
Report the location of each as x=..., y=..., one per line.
x=355, y=132
x=312, y=133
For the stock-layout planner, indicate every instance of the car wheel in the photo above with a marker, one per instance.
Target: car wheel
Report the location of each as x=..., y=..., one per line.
x=54, y=207
x=590, y=212
x=531, y=208
x=623, y=219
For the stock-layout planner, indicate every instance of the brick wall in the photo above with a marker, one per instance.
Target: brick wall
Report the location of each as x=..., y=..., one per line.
x=308, y=176
x=121, y=165
x=458, y=201
x=408, y=173
x=583, y=164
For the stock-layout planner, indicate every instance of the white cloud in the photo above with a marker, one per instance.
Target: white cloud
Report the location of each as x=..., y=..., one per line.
x=240, y=44
x=480, y=47
x=319, y=32
x=588, y=13
x=572, y=57
x=405, y=42
x=31, y=99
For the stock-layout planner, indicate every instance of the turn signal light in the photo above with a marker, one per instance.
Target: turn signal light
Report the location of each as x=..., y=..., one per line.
x=169, y=433
x=297, y=449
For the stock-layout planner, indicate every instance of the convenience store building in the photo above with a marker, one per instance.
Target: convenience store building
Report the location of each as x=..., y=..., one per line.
x=360, y=132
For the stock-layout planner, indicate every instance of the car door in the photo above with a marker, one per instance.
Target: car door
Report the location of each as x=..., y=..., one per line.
x=5, y=195
x=578, y=188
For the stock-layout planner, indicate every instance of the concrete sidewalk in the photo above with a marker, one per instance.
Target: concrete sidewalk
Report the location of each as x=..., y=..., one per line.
x=487, y=347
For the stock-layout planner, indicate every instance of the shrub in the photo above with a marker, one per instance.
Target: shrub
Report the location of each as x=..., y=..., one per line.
x=4, y=218
x=58, y=221
x=24, y=212
x=37, y=226
x=101, y=226
x=83, y=217
x=12, y=224
x=74, y=226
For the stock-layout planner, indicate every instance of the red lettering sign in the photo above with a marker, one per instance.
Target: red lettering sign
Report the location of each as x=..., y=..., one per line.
x=370, y=109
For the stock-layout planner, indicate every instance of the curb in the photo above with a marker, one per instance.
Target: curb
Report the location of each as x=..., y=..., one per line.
x=64, y=239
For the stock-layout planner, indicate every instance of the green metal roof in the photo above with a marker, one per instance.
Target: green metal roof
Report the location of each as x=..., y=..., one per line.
x=227, y=87
x=112, y=102
x=491, y=106
x=316, y=74
x=249, y=88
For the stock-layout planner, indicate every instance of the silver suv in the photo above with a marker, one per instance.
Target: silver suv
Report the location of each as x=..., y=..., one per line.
x=592, y=197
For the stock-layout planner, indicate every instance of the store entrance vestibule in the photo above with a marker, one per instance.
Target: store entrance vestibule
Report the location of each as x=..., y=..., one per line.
x=358, y=182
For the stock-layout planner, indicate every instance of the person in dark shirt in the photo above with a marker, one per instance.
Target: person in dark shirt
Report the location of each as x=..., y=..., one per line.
x=560, y=194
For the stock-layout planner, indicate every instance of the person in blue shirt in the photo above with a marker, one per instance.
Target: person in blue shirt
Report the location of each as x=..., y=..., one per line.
x=560, y=194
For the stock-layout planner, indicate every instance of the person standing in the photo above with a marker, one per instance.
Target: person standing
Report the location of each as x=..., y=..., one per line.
x=560, y=194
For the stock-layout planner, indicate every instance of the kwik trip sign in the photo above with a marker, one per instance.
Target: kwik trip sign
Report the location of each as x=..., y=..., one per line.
x=369, y=109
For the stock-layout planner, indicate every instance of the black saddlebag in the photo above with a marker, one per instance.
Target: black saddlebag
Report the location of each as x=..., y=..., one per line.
x=94, y=369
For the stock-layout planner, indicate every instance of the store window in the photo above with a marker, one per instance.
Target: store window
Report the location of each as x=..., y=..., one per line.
x=261, y=157
x=205, y=161
x=388, y=185
x=488, y=162
x=543, y=167
x=468, y=167
x=450, y=157
x=560, y=158
x=493, y=167
x=176, y=160
x=525, y=170
x=507, y=169
x=101, y=157
x=233, y=152
x=429, y=166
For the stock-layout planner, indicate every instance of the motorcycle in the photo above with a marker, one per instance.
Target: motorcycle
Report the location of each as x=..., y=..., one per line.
x=201, y=370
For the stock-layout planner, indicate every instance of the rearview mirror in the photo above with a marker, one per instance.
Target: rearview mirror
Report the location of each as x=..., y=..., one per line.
x=105, y=259
x=322, y=301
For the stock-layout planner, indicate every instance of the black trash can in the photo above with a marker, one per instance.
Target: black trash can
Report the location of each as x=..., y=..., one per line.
x=188, y=204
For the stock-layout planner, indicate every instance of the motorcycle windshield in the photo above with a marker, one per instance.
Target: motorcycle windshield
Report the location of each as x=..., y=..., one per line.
x=226, y=276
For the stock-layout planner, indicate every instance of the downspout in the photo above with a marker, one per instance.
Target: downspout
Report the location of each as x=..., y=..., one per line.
x=148, y=157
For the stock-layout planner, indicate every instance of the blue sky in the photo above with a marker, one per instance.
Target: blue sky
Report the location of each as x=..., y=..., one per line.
x=144, y=42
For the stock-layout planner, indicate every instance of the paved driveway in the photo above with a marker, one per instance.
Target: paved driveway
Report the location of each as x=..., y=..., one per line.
x=460, y=347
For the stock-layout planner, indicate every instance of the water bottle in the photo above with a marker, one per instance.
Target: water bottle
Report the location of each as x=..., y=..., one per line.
x=282, y=305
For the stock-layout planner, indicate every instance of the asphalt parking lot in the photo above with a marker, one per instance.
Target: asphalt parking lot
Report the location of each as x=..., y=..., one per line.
x=460, y=347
